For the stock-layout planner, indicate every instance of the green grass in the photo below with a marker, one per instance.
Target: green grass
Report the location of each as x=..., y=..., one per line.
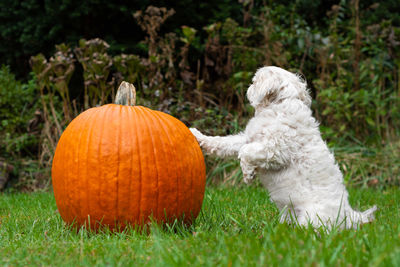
x=238, y=226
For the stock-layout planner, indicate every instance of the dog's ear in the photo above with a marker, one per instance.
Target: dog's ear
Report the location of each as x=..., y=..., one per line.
x=302, y=90
x=305, y=97
x=265, y=85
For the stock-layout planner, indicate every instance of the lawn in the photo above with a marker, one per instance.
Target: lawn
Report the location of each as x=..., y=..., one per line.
x=237, y=226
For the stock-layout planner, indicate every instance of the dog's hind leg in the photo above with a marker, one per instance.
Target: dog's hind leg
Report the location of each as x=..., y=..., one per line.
x=251, y=156
x=248, y=170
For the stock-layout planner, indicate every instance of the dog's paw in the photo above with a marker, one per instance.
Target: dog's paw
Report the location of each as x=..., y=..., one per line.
x=248, y=178
x=195, y=132
x=199, y=136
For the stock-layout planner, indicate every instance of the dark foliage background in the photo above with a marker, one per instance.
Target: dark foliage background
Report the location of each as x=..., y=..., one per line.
x=28, y=27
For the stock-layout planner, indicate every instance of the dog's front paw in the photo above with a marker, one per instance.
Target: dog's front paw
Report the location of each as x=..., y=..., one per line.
x=199, y=136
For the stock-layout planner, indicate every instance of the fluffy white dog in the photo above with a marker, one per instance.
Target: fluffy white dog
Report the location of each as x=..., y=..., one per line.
x=283, y=145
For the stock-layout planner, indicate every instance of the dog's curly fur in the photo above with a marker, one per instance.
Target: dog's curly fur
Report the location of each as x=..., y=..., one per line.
x=283, y=145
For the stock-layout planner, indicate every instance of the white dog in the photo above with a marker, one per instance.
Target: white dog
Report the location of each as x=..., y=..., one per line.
x=282, y=143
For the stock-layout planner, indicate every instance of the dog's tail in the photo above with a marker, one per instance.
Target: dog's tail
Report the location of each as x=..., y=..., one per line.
x=368, y=215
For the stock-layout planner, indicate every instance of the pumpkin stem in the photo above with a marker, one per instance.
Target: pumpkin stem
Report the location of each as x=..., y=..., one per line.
x=126, y=94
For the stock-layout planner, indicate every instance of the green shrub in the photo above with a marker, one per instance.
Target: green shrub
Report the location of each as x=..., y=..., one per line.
x=357, y=87
x=18, y=103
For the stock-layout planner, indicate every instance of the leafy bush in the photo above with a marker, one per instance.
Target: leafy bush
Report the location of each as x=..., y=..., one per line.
x=18, y=103
x=357, y=88
x=20, y=133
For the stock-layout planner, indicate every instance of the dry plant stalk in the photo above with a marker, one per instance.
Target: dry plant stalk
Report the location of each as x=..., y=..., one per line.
x=53, y=77
x=96, y=63
x=62, y=66
x=150, y=21
x=188, y=38
x=357, y=44
x=273, y=50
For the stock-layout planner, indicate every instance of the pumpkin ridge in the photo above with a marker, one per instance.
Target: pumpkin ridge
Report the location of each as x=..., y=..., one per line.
x=96, y=197
x=146, y=113
x=150, y=116
x=110, y=189
x=140, y=214
x=80, y=199
x=119, y=165
x=101, y=130
x=91, y=127
x=192, y=177
x=123, y=198
x=128, y=118
x=64, y=164
x=162, y=124
x=171, y=129
x=70, y=171
x=60, y=183
x=167, y=131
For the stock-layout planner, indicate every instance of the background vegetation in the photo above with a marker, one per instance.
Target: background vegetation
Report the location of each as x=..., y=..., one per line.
x=195, y=61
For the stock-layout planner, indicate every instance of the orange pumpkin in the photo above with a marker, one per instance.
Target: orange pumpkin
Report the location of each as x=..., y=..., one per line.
x=121, y=164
